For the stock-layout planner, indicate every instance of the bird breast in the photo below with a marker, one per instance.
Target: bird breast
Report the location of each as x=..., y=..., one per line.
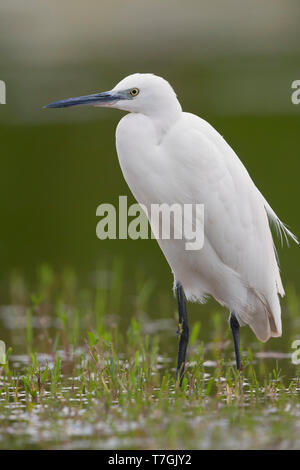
x=140, y=157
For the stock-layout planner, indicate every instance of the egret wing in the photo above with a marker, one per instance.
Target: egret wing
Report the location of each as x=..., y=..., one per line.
x=236, y=222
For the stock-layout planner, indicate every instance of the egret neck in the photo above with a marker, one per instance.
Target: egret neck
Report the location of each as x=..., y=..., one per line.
x=164, y=119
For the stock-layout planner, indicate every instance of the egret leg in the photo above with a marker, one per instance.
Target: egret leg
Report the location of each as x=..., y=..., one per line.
x=183, y=332
x=235, y=328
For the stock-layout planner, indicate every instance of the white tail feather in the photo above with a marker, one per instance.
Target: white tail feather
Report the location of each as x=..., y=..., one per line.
x=281, y=229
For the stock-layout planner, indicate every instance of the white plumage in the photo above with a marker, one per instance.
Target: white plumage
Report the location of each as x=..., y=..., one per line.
x=169, y=156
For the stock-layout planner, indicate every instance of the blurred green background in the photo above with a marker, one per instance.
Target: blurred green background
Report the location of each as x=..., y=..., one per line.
x=230, y=62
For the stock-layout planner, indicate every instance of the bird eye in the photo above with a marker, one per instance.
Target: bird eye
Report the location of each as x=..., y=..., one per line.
x=134, y=91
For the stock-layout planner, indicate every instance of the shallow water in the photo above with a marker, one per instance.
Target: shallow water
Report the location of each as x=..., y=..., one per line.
x=67, y=422
x=84, y=410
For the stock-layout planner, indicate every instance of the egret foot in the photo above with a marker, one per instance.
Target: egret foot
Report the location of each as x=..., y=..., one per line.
x=183, y=332
x=235, y=328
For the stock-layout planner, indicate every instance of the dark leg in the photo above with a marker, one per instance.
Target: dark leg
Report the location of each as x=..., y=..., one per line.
x=235, y=328
x=183, y=332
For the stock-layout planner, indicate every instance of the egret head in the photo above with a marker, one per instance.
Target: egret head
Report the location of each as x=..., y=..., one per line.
x=138, y=93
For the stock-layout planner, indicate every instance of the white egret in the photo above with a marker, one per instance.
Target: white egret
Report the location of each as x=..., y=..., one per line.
x=170, y=156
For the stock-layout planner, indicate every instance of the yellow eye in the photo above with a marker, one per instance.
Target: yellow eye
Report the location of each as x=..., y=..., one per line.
x=134, y=91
